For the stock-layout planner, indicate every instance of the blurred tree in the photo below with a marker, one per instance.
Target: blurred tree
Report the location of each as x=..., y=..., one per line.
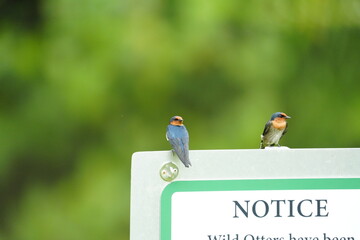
x=85, y=84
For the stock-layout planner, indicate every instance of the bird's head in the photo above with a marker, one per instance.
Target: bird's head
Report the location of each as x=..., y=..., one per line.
x=279, y=116
x=177, y=121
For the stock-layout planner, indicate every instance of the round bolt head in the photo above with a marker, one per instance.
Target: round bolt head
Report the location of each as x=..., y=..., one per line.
x=169, y=171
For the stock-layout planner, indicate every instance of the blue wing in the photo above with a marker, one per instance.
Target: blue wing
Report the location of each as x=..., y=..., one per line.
x=285, y=130
x=267, y=127
x=178, y=137
x=266, y=130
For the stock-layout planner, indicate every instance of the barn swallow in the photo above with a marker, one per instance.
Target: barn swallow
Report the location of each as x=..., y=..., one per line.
x=274, y=129
x=178, y=137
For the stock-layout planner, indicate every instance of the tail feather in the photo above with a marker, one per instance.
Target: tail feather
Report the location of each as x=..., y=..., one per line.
x=181, y=147
x=184, y=157
x=262, y=146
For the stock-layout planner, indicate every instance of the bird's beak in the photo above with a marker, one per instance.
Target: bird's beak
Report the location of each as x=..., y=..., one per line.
x=287, y=117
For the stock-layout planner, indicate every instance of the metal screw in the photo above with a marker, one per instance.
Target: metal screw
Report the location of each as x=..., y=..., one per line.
x=169, y=171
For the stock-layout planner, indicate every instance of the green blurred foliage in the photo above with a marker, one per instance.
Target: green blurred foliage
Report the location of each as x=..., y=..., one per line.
x=84, y=84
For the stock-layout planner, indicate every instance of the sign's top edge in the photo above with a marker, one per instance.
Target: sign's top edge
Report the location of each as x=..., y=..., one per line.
x=255, y=149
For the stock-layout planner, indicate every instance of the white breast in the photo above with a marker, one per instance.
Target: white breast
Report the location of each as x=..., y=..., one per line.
x=273, y=136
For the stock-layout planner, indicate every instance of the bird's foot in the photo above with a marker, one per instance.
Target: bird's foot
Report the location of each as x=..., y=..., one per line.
x=276, y=147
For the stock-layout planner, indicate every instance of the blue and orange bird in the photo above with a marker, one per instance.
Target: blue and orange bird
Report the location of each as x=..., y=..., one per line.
x=274, y=129
x=178, y=137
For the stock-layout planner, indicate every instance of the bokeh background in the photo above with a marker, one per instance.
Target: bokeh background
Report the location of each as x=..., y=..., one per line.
x=84, y=84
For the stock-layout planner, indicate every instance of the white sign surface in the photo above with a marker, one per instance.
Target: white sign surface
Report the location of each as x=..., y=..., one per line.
x=307, y=209
x=162, y=210
x=215, y=215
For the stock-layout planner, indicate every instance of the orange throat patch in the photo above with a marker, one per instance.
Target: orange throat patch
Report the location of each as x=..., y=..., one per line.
x=176, y=123
x=279, y=123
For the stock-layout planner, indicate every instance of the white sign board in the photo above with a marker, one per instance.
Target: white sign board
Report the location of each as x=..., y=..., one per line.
x=271, y=194
x=320, y=209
